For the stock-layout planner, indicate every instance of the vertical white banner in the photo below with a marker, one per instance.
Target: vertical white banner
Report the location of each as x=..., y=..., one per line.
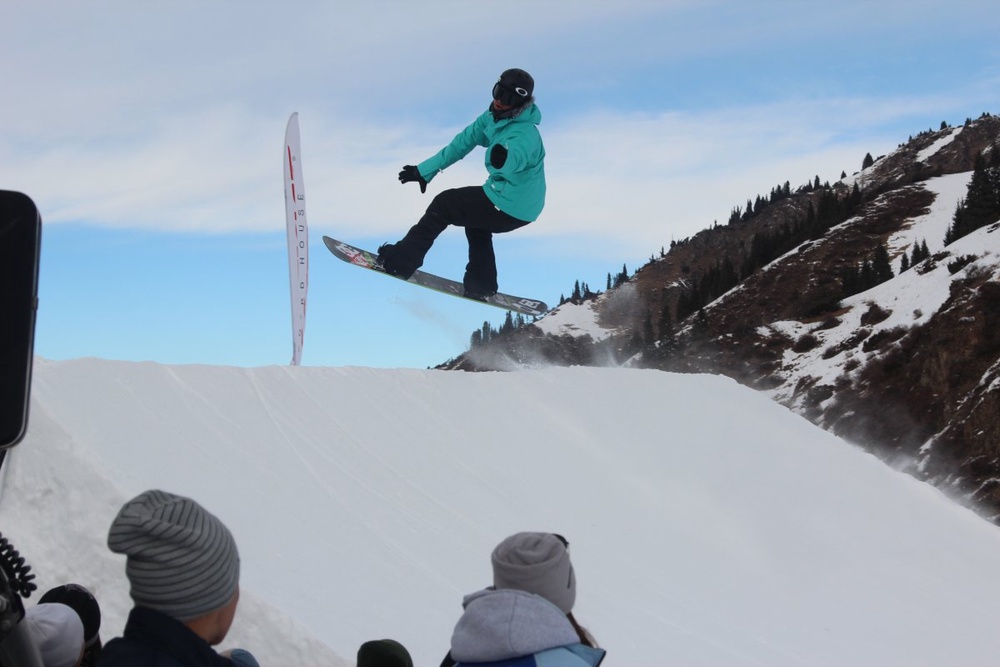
x=298, y=235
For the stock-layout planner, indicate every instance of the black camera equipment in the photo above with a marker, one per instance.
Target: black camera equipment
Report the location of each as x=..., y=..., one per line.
x=20, y=245
x=16, y=581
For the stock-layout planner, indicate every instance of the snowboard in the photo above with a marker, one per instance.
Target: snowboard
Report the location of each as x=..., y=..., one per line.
x=369, y=260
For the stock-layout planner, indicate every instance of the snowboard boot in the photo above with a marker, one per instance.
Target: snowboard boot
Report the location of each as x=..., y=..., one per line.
x=480, y=280
x=396, y=263
x=478, y=292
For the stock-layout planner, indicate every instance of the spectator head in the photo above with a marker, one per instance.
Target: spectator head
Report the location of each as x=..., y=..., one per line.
x=57, y=631
x=384, y=653
x=536, y=563
x=83, y=602
x=181, y=560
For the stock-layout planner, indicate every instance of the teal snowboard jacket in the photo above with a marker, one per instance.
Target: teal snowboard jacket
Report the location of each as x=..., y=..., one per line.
x=518, y=187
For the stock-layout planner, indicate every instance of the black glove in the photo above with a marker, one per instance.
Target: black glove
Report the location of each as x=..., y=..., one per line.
x=410, y=173
x=498, y=156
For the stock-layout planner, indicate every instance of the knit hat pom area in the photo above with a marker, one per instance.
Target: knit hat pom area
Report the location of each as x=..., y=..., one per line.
x=536, y=563
x=181, y=559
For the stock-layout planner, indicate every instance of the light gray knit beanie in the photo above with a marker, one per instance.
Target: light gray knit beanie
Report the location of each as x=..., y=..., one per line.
x=57, y=631
x=536, y=563
x=182, y=561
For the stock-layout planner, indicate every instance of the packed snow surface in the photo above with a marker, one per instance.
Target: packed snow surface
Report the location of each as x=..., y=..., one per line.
x=708, y=525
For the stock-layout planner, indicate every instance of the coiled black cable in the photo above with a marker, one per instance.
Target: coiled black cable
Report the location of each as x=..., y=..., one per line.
x=18, y=572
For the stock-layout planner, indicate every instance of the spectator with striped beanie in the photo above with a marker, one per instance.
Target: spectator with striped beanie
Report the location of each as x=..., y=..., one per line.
x=183, y=569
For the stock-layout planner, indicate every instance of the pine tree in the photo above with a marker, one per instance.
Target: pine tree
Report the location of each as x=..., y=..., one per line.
x=508, y=323
x=920, y=253
x=868, y=161
x=735, y=216
x=850, y=281
x=981, y=205
x=954, y=231
x=665, y=326
x=881, y=266
x=685, y=305
x=867, y=278
x=983, y=198
x=855, y=199
x=622, y=277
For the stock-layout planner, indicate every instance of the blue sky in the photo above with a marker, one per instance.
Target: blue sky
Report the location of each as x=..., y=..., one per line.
x=151, y=140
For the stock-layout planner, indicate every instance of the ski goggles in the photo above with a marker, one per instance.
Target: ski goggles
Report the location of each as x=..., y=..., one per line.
x=508, y=96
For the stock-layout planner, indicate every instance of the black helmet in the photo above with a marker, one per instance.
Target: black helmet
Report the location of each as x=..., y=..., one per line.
x=514, y=88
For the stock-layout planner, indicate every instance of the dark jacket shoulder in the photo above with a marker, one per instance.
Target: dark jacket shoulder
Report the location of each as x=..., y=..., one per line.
x=153, y=639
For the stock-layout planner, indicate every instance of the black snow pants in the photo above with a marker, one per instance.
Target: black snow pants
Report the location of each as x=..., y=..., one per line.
x=467, y=207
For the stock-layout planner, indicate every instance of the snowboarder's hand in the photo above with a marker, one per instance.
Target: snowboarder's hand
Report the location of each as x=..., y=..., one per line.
x=411, y=173
x=498, y=156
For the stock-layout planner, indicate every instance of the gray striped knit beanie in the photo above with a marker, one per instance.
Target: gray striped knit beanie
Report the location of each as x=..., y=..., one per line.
x=181, y=560
x=536, y=563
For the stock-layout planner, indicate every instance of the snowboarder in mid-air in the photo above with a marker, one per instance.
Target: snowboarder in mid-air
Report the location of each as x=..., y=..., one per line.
x=512, y=197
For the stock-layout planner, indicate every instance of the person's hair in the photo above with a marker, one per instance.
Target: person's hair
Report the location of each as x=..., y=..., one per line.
x=583, y=633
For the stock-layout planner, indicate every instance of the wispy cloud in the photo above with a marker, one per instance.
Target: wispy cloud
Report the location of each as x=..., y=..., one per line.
x=617, y=178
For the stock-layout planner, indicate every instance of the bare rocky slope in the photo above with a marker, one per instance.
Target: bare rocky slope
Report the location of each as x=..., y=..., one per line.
x=763, y=300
